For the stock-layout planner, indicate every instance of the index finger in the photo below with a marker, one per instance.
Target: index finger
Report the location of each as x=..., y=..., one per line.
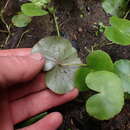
x=15, y=52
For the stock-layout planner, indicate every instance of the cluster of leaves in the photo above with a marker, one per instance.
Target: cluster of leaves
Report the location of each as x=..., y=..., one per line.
x=28, y=10
x=109, y=80
x=119, y=31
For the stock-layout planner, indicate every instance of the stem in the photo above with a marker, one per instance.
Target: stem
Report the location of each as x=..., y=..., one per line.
x=3, y=31
x=7, y=39
x=22, y=37
x=2, y=17
x=3, y=20
x=109, y=43
x=126, y=14
x=6, y=5
x=56, y=24
x=7, y=27
x=74, y=64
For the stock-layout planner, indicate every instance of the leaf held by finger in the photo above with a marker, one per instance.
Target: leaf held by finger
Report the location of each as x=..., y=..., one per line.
x=61, y=63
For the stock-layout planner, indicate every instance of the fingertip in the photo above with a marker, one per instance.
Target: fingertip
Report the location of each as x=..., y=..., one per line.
x=55, y=118
x=49, y=122
x=74, y=93
x=52, y=121
x=37, y=57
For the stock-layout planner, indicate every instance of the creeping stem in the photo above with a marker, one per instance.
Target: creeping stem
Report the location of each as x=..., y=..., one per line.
x=4, y=22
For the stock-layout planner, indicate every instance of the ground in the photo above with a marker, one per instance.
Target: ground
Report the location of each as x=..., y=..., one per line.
x=78, y=21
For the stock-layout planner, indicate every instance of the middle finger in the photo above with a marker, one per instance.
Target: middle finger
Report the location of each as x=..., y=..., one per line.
x=22, y=90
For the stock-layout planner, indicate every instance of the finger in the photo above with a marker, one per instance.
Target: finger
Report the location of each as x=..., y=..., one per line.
x=23, y=90
x=14, y=69
x=5, y=117
x=15, y=52
x=29, y=106
x=50, y=122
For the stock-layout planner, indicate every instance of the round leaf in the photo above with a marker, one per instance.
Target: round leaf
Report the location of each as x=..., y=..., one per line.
x=110, y=98
x=64, y=59
x=40, y=2
x=122, y=68
x=119, y=31
x=99, y=60
x=31, y=9
x=80, y=76
x=21, y=20
x=115, y=7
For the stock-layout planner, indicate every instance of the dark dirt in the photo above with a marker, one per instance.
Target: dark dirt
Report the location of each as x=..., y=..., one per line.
x=78, y=21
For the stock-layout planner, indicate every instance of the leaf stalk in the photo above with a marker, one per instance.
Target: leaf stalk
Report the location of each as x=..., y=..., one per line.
x=56, y=24
x=74, y=64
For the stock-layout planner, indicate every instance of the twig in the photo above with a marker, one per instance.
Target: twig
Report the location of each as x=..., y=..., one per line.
x=6, y=5
x=3, y=31
x=21, y=38
x=9, y=34
x=126, y=14
x=3, y=20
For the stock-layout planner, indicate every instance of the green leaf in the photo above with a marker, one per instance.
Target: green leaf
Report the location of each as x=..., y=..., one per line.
x=41, y=2
x=31, y=9
x=115, y=7
x=21, y=20
x=80, y=76
x=99, y=60
x=119, y=31
x=109, y=100
x=122, y=68
x=61, y=63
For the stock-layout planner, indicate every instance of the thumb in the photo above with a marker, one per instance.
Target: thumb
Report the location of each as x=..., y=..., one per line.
x=14, y=69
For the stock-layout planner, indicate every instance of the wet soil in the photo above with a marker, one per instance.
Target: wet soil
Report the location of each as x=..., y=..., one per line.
x=79, y=22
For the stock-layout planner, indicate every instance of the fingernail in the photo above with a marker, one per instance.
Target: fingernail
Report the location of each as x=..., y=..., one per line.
x=37, y=56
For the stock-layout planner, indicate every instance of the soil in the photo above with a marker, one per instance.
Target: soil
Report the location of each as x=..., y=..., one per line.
x=78, y=21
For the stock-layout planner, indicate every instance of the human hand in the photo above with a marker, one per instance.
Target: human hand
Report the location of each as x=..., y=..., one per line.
x=21, y=73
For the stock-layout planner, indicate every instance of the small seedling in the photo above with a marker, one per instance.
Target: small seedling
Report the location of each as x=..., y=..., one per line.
x=29, y=10
x=109, y=80
x=100, y=74
x=95, y=61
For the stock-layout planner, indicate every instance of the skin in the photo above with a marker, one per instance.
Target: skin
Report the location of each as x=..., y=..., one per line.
x=23, y=92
